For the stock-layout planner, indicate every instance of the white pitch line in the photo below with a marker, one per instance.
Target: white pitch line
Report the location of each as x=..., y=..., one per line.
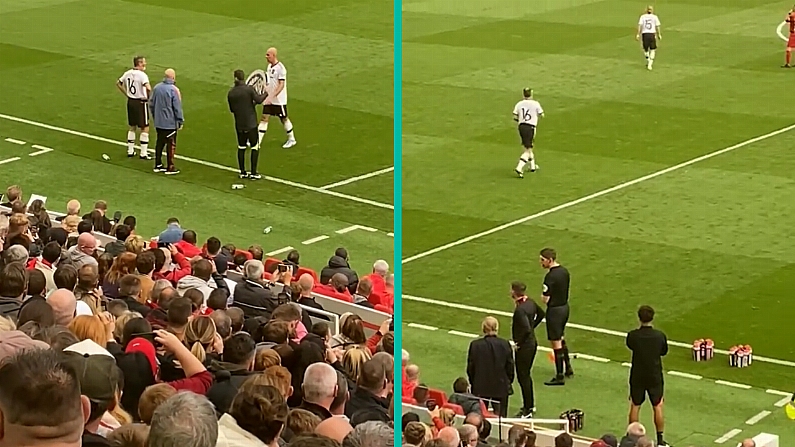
x=8, y=160
x=596, y=195
x=741, y=386
x=782, y=402
x=13, y=141
x=279, y=251
x=315, y=239
x=582, y=327
x=728, y=436
x=628, y=365
x=202, y=162
x=354, y=228
x=778, y=393
x=758, y=417
x=391, y=234
x=358, y=177
x=422, y=326
x=592, y=357
x=462, y=334
x=42, y=150
x=685, y=375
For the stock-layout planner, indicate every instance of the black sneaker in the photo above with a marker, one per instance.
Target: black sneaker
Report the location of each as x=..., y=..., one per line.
x=172, y=171
x=786, y=66
x=555, y=381
x=159, y=168
x=243, y=175
x=130, y=154
x=569, y=373
x=255, y=176
x=525, y=414
x=664, y=444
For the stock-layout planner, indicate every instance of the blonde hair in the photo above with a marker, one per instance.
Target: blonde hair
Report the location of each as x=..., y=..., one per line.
x=301, y=421
x=135, y=244
x=124, y=264
x=199, y=335
x=353, y=361
x=121, y=321
x=447, y=416
x=89, y=327
x=7, y=325
x=490, y=326
x=70, y=223
x=278, y=377
x=151, y=398
x=266, y=358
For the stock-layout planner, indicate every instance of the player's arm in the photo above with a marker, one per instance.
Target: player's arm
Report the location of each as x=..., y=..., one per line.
x=545, y=294
x=279, y=88
x=516, y=113
x=664, y=350
x=539, y=316
x=120, y=86
x=540, y=111
x=640, y=28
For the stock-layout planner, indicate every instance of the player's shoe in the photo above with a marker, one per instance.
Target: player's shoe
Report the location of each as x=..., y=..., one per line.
x=526, y=413
x=535, y=169
x=555, y=381
x=145, y=157
x=519, y=173
x=289, y=144
x=786, y=66
x=664, y=444
x=255, y=176
x=243, y=175
x=131, y=154
x=172, y=171
x=159, y=168
x=569, y=373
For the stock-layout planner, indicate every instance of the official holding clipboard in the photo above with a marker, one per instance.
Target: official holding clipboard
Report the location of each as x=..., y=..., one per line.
x=490, y=367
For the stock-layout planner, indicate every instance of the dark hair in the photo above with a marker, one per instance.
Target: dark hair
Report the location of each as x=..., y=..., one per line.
x=413, y=430
x=133, y=329
x=13, y=280
x=145, y=262
x=58, y=337
x=130, y=222
x=237, y=316
x=460, y=385
x=36, y=310
x=37, y=283
x=189, y=236
x=65, y=277
x=527, y=92
x=217, y=299
x=117, y=307
x=213, y=245
x=274, y=331
x=313, y=440
x=203, y=269
x=223, y=323
x=196, y=298
x=342, y=253
x=320, y=329
x=563, y=439
x=122, y=232
x=256, y=252
x=179, y=311
x=40, y=390
x=104, y=263
x=240, y=75
x=51, y=252
x=293, y=256
x=239, y=349
x=286, y=312
x=260, y=410
x=239, y=259
x=160, y=258
x=172, y=220
x=86, y=226
x=645, y=314
x=373, y=375
x=137, y=60
x=518, y=287
x=549, y=253
x=130, y=285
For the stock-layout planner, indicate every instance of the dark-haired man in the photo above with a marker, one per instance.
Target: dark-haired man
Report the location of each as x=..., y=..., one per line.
x=556, y=296
x=236, y=365
x=187, y=246
x=13, y=284
x=242, y=99
x=134, y=84
x=648, y=346
x=49, y=257
x=117, y=247
x=527, y=315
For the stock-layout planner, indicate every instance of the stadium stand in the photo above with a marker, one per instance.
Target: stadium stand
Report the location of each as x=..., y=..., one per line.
x=192, y=349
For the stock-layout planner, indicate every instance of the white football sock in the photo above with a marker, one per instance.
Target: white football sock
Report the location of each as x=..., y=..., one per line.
x=646, y=53
x=288, y=128
x=144, y=144
x=652, y=53
x=522, y=162
x=263, y=127
x=130, y=142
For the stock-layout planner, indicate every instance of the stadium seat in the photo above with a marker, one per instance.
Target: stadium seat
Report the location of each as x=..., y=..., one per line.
x=302, y=270
x=270, y=264
x=484, y=410
x=409, y=400
x=374, y=298
x=438, y=395
x=459, y=410
x=383, y=309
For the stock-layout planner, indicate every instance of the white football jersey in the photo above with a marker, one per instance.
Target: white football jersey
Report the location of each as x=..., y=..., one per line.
x=135, y=82
x=527, y=111
x=276, y=73
x=649, y=23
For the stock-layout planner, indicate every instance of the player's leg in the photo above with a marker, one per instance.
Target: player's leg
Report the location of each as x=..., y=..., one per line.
x=263, y=125
x=145, y=133
x=242, y=141
x=524, y=364
x=132, y=122
x=637, y=395
x=160, y=145
x=254, y=143
x=555, y=337
x=131, y=141
x=656, y=398
x=788, y=56
x=652, y=50
x=172, y=150
x=527, y=134
x=288, y=128
x=566, y=359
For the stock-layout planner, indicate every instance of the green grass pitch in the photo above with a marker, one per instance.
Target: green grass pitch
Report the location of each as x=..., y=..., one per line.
x=60, y=59
x=709, y=245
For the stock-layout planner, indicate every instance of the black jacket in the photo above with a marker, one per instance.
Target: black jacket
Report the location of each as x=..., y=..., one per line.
x=338, y=264
x=363, y=401
x=92, y=440
x=316, y=409
x=107, y=224
x=312, y=349
x=9, y=307
x=228, y=379
x=490, y=367
x=242, y=98
x=255, y=299
x=526, y=317
x=135, y=306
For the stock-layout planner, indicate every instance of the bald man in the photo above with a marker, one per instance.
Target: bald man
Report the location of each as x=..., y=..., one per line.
x=276, y=102
x=83, y=253
x=450, y=436
x=64, y=306
x=166, y=108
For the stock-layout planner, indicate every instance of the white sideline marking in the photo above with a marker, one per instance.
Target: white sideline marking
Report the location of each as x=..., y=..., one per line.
x=742, y=386
x=628, y=365
x=13, y=141
x=780, y=32
x=783, y=402
x=778, y=393
x=728, y=436
x=758, y=417
x=596, y=195
x=354, y=228
x=391, y=234
x=315, y=239
x=582, y=326
x=202, y=162
x=462, y=334
x=43, y=150
x=8, y=160
x=358, y=177
x=279, y=251
x=422, y=326
x=685, y=375
x=591, y=357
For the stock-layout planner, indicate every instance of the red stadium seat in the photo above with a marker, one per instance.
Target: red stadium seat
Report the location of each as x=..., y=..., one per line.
x=383, y=309
x=270, y=264
x=409, y=400
x=484, y=410
x=302, y=270
x=459, y=410
x=438, y=395
x=374, y=298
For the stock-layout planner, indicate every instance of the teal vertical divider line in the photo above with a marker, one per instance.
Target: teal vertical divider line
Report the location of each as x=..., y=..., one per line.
x=398, y=214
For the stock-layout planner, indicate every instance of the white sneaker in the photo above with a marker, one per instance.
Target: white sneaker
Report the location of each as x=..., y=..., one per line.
x=289, y=144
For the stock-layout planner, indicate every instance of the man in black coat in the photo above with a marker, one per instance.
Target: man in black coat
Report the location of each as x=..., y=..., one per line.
x=526, y=317
x=339, y=264
x=236, y=366
x=252, y=294
x=490, y=367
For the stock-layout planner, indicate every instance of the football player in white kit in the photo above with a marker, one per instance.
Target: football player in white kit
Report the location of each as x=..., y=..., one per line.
x=134, y=84
x=649, y=34
x=526, y=113
x=276, y=102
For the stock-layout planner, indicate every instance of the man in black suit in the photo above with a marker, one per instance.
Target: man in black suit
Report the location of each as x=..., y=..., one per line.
x=490, y=367
x=526, y=317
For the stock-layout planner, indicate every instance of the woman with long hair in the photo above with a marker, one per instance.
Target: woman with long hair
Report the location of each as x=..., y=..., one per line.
x=351, y=332
x=123, y=265
x=203, y=340
x=18, y=232
x=353, y=361
x=89, y=327
x=135, y=244
x=40, y=215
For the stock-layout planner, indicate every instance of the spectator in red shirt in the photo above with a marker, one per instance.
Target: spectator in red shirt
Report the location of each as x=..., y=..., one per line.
x=165, y=268
x=187, y=246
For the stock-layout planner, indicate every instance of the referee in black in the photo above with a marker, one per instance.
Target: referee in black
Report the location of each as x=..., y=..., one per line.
x=556, y=297
x=648, y=346
x=526, y=317
x=242, y=98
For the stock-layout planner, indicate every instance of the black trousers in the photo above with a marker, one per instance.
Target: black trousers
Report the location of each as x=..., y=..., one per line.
x=525, y=357
x=499, y=404
x=166, y=139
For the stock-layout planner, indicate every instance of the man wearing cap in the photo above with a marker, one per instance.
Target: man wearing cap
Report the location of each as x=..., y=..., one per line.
x=99, y=378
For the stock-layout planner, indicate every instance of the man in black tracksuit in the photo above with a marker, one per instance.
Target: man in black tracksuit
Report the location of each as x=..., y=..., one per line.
x=242, y=98
x=526, y=317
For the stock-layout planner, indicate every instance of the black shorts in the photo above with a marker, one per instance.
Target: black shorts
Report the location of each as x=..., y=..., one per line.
x=649, y=41
x=275, y=110
x=638, y=389
x=528, y=134
x=137, y=113
x=557, y=317
x=247, y=137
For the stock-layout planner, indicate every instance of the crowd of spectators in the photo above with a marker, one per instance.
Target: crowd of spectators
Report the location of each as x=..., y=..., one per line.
x=126, y=344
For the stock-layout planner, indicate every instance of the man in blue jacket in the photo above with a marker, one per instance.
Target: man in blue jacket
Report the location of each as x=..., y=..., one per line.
x=166, y=106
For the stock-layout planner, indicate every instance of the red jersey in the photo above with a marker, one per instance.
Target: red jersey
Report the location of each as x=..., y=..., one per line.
x=791, y=21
